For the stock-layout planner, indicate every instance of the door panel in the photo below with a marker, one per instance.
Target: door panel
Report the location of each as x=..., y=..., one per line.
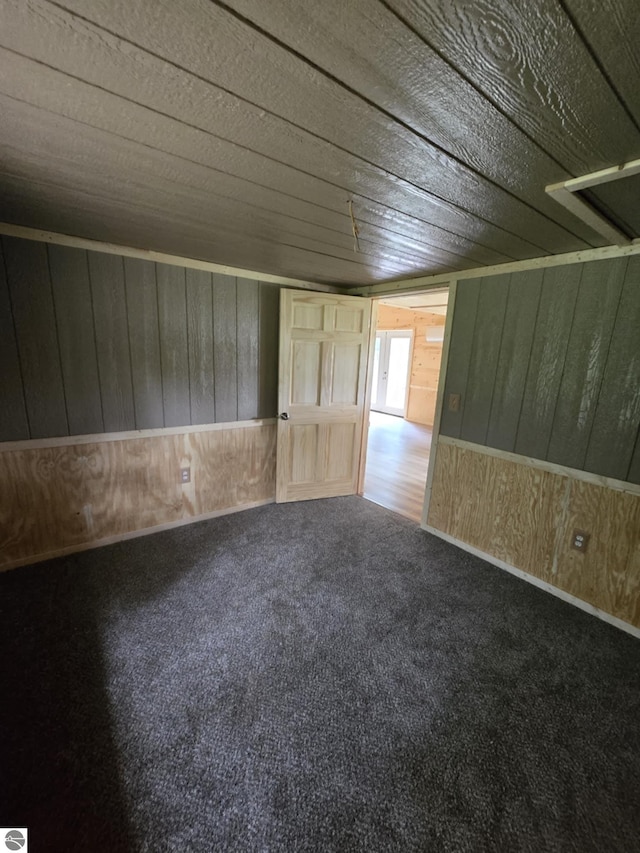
x=348, y=320
x=308, y=316
x=340, y=449
x=345, y=373
x=303, y=452
x=323, y=354
x=305, y=357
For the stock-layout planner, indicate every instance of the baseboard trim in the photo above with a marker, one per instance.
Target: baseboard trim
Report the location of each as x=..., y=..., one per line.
x=547, y=587
x=132, y=534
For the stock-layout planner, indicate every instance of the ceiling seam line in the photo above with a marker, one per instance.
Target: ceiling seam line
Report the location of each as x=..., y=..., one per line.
x=286, y=165
x=495, y=104
x=473, y=85
x=365, y=99
x=432, y=246
x=243, y=148
x=146, y=207
x=596, y=61
x=316, y=135
x=410, y=254
x=197, y=163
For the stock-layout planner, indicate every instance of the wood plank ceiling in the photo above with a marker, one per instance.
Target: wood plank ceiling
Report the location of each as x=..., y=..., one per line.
x=237, y=132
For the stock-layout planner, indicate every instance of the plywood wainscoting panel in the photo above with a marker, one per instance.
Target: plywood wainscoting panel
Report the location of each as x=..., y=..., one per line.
x=608, y=574
x=68, y=497
x=524, y=516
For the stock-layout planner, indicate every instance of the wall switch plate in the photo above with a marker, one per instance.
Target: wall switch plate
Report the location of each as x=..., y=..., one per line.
x=580, y=540
x=454, y=402
x=185, y=475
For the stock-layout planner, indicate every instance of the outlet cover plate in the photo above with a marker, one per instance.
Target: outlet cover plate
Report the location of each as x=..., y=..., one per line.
x=580, y=540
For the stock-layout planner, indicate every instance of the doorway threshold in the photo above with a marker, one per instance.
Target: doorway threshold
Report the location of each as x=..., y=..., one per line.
x=397, y=462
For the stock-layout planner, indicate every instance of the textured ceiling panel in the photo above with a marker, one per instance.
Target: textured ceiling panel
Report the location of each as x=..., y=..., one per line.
x=238, y=132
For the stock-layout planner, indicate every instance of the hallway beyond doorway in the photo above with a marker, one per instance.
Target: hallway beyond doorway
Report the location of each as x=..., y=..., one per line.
x=397, y=460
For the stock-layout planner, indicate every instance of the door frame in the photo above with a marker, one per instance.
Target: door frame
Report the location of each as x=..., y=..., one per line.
x=373, y=328
x=451, y=287
x=442, y=375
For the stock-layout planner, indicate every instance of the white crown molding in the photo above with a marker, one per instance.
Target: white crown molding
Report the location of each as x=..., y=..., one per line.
x=22, y=231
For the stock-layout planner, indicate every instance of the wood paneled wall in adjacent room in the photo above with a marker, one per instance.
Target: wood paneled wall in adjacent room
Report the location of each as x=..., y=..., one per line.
x=425, y=365
x=93, y=342
x=524, y=515
x=547, y=365
x=68, y=496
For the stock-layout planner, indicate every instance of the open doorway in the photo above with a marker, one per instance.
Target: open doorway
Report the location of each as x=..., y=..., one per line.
x=405, y=374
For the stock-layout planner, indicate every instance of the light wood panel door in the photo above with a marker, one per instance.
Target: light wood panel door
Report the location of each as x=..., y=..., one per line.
x=323, y=361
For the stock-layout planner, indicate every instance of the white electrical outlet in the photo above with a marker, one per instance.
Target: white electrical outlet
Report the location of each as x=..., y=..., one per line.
x=185, y=475
x=580, y=540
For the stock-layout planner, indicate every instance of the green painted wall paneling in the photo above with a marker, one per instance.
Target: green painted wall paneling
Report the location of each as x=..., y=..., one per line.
x=76, y=337
x=485, y=349
x=13, y=410
x=174, y=357
x=225, y=337
x=34, y=317
x=112, y=341
x=144, y=342
x=513, y=360
x=615, y=427
x=92, y=343
x=634, y=470
x=464, y=321
x=200, y=335
x=587, y=352
x=547, y=363
x=269, y=335
x=247, y=349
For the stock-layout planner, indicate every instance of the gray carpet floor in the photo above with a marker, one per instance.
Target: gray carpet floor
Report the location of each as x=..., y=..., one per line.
x=321, y=676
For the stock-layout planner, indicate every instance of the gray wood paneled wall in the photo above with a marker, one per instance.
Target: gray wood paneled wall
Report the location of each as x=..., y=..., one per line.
x=93, y=343
x=547, y=363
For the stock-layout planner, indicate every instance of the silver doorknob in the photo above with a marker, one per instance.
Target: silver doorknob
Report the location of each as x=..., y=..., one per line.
x=284, y=416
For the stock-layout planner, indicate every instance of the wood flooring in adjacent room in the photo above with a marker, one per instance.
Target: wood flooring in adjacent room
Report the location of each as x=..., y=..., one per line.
x=397, y=460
